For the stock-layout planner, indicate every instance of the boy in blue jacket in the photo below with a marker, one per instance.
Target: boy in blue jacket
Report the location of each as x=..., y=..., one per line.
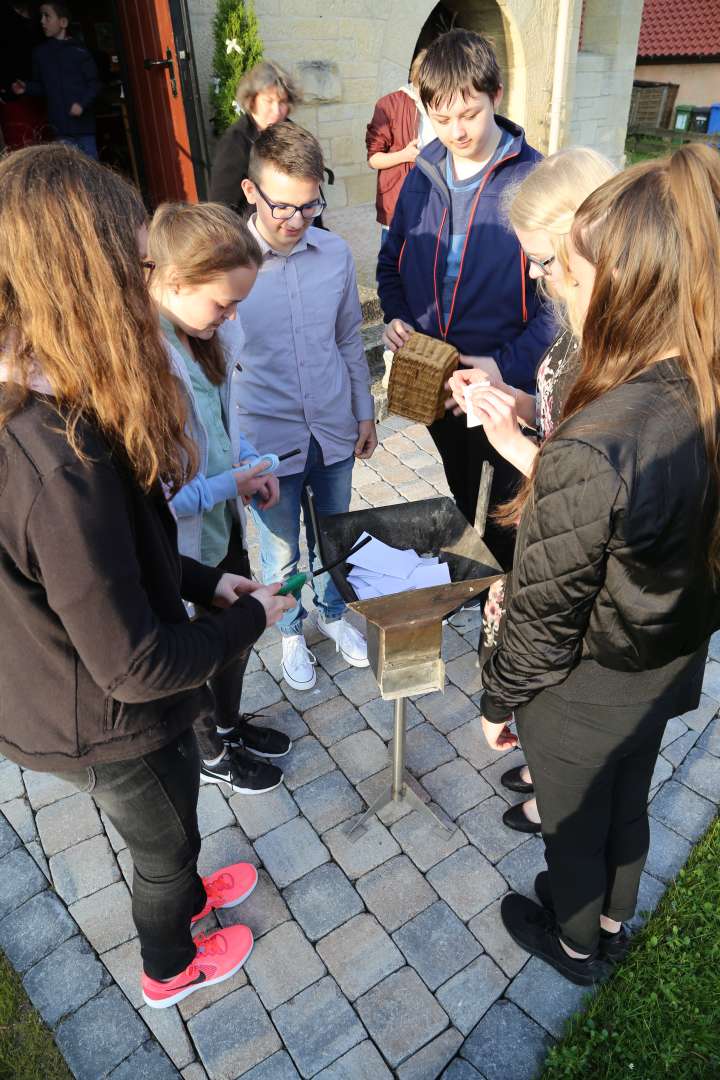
x=65, y=73
x=452, y=268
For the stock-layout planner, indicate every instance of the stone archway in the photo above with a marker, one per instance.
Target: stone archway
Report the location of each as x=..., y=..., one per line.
x=411, y=25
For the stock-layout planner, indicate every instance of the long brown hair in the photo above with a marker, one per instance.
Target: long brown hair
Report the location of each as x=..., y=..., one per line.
x=653, y=234
x=75, y=308
x=194, y=243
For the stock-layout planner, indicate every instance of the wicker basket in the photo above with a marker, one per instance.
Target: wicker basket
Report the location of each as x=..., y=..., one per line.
x=417, y=378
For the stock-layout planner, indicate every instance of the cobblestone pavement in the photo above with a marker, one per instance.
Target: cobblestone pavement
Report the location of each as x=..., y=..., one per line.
x=384, y=958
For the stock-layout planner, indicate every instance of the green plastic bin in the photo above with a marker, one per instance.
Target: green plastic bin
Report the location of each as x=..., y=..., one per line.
x=683, y=114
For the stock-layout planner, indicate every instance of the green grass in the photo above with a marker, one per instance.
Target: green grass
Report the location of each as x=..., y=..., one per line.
x=27, y=1050
x=659, y=1016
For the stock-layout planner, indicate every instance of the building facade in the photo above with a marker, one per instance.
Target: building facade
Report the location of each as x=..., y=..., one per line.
x=567, y=66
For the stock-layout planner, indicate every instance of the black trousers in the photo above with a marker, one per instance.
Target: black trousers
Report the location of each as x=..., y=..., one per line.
x=152, y=802
x=591, y=766
x=463, y=451
x=227, y=684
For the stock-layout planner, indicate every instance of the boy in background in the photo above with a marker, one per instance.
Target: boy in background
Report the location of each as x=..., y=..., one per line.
x=65, y=73
x=452, y=268
x=304, y=382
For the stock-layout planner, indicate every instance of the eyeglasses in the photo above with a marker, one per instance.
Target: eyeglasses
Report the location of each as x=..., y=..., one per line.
x=284, y=211
x=543, y=265
x=148, y=266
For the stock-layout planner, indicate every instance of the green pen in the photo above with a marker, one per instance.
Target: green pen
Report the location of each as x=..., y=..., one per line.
x=293, y=585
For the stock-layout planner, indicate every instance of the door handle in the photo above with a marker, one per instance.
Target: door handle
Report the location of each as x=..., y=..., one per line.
x=149, y=64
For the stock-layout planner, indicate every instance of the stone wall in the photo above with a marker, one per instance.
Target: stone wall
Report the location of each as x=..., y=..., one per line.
x=347, y=53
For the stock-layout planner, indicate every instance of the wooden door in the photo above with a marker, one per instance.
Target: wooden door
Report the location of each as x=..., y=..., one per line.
x=158, y=112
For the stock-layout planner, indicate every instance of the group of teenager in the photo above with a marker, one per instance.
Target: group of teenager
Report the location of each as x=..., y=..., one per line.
x=157, y=381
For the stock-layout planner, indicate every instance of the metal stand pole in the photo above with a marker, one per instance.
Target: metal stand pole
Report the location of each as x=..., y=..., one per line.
x=400, y=791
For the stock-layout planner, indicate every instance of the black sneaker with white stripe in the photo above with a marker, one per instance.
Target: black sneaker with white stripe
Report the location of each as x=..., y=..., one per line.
x=264, y=742
x=246, y=775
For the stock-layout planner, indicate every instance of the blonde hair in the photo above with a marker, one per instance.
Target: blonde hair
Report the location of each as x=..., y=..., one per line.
x=74, y=303
x=195, y=242
x=548, y=199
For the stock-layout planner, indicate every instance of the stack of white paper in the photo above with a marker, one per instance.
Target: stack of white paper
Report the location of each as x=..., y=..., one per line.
x=380, y=570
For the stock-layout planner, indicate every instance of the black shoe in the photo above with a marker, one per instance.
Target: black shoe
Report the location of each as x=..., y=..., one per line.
x=534, y=929
x=613, y=947
x=263, y=741
x=513, y=781
x=515, y=818
x=244, y=774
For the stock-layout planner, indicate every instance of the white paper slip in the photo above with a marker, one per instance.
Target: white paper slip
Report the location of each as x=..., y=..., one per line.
x=423, y=577
x=384, y=559
x=473, y=420
x=369, y=585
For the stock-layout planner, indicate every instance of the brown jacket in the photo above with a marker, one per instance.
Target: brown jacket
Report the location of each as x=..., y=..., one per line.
x=395, y=123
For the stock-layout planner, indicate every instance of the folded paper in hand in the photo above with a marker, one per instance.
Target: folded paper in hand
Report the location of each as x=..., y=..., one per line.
x=473, y=420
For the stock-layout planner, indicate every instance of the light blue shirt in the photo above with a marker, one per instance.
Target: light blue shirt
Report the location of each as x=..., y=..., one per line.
x=304, y=371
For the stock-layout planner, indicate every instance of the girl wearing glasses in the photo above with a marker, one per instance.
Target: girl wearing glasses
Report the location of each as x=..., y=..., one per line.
x=541, y=212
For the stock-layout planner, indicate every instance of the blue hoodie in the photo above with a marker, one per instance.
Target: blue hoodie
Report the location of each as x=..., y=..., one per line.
x=496, y=311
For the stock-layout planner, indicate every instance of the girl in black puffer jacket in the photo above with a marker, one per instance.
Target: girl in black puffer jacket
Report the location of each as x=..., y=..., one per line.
x=614, y=590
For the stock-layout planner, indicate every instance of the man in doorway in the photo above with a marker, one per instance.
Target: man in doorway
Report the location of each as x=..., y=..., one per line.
x=452, y=268
x=64, y=72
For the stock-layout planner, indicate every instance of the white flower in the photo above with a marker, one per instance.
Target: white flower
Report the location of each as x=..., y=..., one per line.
x=236, y=107
x=216, y=84
x=232, y=46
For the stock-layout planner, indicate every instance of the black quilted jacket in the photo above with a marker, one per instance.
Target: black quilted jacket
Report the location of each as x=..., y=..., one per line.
x=610, y=561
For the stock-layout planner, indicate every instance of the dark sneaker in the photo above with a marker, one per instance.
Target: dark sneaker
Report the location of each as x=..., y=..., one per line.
x=534, y=929
x=613, y=947
x=244, y=774
x=263, y=741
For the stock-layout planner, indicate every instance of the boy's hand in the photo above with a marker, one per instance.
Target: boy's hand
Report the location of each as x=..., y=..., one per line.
x=76, y=109
x=367, y=439
x=18, y=87
x=396, y=334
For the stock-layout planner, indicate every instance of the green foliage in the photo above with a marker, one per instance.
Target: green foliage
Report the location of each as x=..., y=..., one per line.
x=27, y=1050
x=234, y=22
x=659, y=1016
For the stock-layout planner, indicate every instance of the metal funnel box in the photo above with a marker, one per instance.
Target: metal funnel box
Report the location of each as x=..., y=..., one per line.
x=404, y=631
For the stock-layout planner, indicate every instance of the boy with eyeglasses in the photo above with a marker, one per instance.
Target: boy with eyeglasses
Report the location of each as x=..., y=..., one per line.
x=452, y=268
x=305, y=382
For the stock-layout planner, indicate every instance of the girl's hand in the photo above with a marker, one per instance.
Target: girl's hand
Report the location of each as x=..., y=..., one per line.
x=269, y=494
x=275, y=606
x=485, y=364
x=396, y=334
x=498, y=736
x=498, y=412
x=457, y=382
x=250, y=481
x=229, y=587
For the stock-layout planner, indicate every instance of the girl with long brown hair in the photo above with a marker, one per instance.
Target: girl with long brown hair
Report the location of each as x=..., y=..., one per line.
x=202, y=263
x=614, y=590
x=102, y=674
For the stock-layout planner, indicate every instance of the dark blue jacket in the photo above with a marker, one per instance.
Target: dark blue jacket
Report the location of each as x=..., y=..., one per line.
x=64, y=72
x=496, y=311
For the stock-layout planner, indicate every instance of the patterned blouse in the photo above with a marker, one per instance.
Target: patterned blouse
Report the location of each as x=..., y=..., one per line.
x=556, y=374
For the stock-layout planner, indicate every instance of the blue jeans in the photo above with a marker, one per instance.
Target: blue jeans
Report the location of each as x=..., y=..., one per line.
x=86, y=143
x=279, y=531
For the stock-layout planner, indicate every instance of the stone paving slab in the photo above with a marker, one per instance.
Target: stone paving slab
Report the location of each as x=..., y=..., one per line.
x=233, y=1034
x=382, y=958
x=437, y=944
x=401, y=1015
x=318, y=1026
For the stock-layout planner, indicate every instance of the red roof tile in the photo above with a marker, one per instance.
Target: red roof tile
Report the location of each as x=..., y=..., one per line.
x=680, y=28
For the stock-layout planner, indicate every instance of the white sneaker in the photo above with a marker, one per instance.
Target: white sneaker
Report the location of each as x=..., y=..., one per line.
x=298, y=663
x=349, y=642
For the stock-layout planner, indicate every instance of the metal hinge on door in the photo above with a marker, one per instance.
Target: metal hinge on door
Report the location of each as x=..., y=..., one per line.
x=166, y=63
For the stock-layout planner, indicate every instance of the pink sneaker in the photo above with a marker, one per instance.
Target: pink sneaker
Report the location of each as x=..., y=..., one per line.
x=218, y=957
x=227, y=887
